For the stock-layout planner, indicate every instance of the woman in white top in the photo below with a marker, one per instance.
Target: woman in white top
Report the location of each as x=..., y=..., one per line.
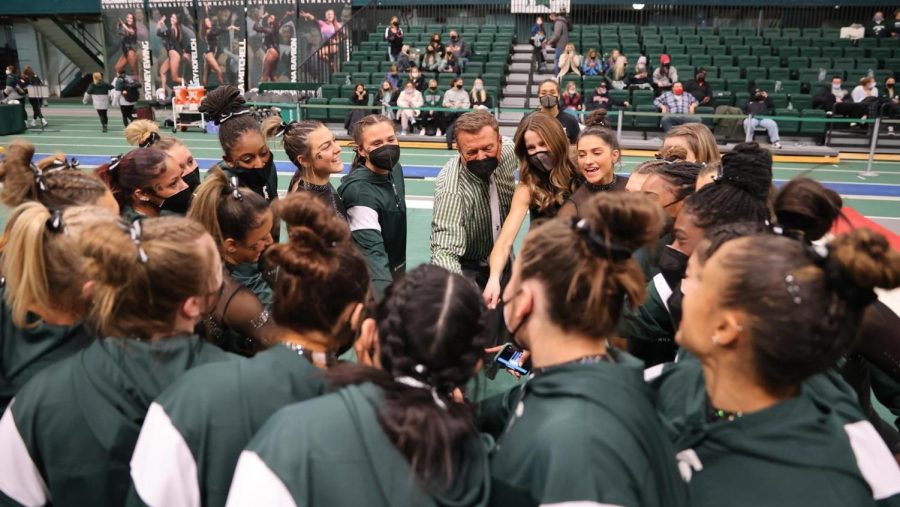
x=865, y=91
x=411, y=100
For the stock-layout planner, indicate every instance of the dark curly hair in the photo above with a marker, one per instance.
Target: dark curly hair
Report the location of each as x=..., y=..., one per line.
x=225, y=106
x=431, y=326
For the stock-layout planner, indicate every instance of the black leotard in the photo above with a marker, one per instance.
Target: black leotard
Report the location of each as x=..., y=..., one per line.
x=129, y=41
x=212, y=40
x=270, y=35
x=171, y=40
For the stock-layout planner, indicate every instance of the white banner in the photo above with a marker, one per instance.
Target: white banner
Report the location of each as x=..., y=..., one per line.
x=539, y=6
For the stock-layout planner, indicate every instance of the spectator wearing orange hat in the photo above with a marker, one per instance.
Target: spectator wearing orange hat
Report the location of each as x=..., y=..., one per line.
x=665, y=75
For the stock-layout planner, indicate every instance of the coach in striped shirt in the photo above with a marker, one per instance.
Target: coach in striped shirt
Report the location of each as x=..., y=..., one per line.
x=472, y=197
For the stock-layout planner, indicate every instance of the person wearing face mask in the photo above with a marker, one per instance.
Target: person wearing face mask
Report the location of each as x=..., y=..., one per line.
x=472, y=197
x=878, y=28
x=559, y=37
x=833, y=98
x=454, y=98
x=460, y=49
x=142, y=181
x=665, y=76
x=549, y=97
x=387, y=99
x=592, y=66
x=676, y=102
x=891, y=101
x=410, y=100
x=548, y=176
x=585, y=411
x=699, y=88
x=431, y=61
x=572, y=99
x=360, y=97
x=392, y=76
x=538, y=42
x=404, y=59
x=393, y=34
x=865, y=91
x=895, y=25
x=600, y=99
x=432, y=121
x=437, y=44
x=450, y=64
x=374, y=194
x=640, y=79
x=145, y=134
x=479, y=96
x=569, y=62
x=418, y=80
x=194, y=433
x=760, y=104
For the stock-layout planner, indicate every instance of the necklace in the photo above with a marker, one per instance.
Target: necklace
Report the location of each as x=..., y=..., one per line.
x=714, y=414
x=324, y=359
x=602, y=187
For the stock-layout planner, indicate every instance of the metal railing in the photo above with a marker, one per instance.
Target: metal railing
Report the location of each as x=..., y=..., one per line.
x=85, y=40
x=327, y=58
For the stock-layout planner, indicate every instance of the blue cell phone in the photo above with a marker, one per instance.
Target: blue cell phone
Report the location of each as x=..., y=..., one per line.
x=510, y=358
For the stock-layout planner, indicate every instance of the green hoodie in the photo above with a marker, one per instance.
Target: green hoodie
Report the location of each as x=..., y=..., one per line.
x=215, y=410
x=376, y=205
x=70, y=432
x=333, y=451
x=582, y=433
x=812, y=449
x=26, y=351
x=249, y=275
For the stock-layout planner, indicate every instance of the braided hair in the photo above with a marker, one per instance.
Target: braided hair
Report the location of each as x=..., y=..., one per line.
x=225, y=106
x=431, y=328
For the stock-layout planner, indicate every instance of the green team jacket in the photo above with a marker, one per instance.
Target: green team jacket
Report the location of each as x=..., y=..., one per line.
x=25, y=352
x=648, y=328
x=815, y=448
x=195, y=431
x=582, y=433
x=376, y=206
x=249, y=275
x=332, y=451
x=69, y=434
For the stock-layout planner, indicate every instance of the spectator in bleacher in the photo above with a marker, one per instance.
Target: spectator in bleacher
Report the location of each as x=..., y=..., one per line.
x=865, y=91
x=360, y=97
x=569, y=62
x=431, y=60
x=877, y=28
x=678, y=102
x=472, y=197
x=665, y=76
x=610, y=60
x=601, y=99
x=433, y=121
x=450, y=64
x=411, y=100
x=640, y=80
x=891, y=101
x=455, y=98
x=617, y=75
x=549, y=97
x=538, y=25
x=460, y=48
x=479, y=96
x=833, y=99
x=559, y=38
x=761, y=104
x=393, y=76
x=572, y=99
x=393, y=34
x=404, y=59
x=592, y=66
x=417, y=78
x=387, y=98
x=538, y=41
x=699, y=88
x=436, y=43
x=895, y=27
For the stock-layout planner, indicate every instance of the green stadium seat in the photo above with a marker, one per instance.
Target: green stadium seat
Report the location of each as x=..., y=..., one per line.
x=737, y=85
x=591, y=82
x=649, y=30
x=837, y=72
x=723, y=60
x=747, y=61
x=819, y=127
x=761, y=50
x=768, y=33
x=706, y=31
x=723, y=98
x=788, y=51
x=880, y=53
x=800, y=101
x=368, y=46
x=494, y=67
x=681, y=61
x=668, y=30
x=839, y=43
x=864, y=63
x=317, y=113
x=360, y=56
x=691, y=40
x=741, y=98
x=347, y=91
x=708, y=121
x=754, y=40
x=676, y=49
x=701, y=60
x=371, y=67
x=338, y=114
x=646, y=122
x=715, y=83
x=728, y=31
x=711, y=40
x=739, y=50
x=753, y=73
x=570, y=78
x=732, y=40
x=791, y=32
x=616, y=95
x=643, y=97
x=892, y=63
x=867, y=43
x=716, y=50
x=360, y=77
x=811, y=32
x=746, y=31
x=788, y=126
x=770, y=62
x=767, y=85
x=653, y=49
x=843, y=63
x=820, y=63
x=832, y=52
x=695, y=50
x=384, y=67
x=791, y=86
x=339, y=78
x=779, y=42
x=350, y=66
x=809, y=76
x=685, y=30
x=634, y=49
x=730, y=72
x=331, y=91
x=812, y=52
x=889, y=43
x=881, y=75
x=795, y=63
x=780, y=100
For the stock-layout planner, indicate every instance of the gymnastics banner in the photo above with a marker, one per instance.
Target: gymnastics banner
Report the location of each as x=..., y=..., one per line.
x=127, y=42
x=318, y=22
x=272, y=41
x=222, y=43
x=173, y=42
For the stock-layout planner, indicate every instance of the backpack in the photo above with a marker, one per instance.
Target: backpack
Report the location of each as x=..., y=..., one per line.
x=132, y=91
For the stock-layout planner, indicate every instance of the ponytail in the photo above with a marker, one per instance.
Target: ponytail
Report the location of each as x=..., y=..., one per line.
x=216, y=207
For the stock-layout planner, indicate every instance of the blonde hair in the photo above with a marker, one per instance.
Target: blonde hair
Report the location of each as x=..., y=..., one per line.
x=137, y=299
x=700, y=139
x=43, y=267
x=139, y=131
x=98, y=77
x=294, y=139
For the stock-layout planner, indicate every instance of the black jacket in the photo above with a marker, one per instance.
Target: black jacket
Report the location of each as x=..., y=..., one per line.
x=758, y=107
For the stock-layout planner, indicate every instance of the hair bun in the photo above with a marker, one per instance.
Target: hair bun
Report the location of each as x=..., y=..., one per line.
x=748, y=167
x=674, y=153
x=866, y=261
x=598, y=118
x=313, y=232
x=628, y=219
x=222, y=102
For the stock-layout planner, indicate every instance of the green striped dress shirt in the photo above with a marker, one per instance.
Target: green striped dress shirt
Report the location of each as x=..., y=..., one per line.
x=461, y=227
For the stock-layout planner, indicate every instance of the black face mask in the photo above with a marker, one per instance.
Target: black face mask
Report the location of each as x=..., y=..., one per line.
x=511, y=333
x=672, y=265
x=385, y=157
x=192, y=179
x=549, y=101
x=257, y=179
x=541, y=161
x=454, y=39
x=674, y=305
x=178, y=203
x=483, y=168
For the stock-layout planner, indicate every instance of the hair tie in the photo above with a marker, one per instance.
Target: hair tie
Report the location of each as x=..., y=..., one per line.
x=233, y=184
x=135, y=231
x=284, y=128
x=55, y=222
x=418, y=384
x=39, y=177
x=600, y=245
x=225, y=117
x=150, y=141
x=114, y=162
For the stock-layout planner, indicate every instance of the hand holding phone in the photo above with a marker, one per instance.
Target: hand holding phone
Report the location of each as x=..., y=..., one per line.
x=513, y=359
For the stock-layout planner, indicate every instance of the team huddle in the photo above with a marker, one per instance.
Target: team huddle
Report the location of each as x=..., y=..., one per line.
x=684, y=335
